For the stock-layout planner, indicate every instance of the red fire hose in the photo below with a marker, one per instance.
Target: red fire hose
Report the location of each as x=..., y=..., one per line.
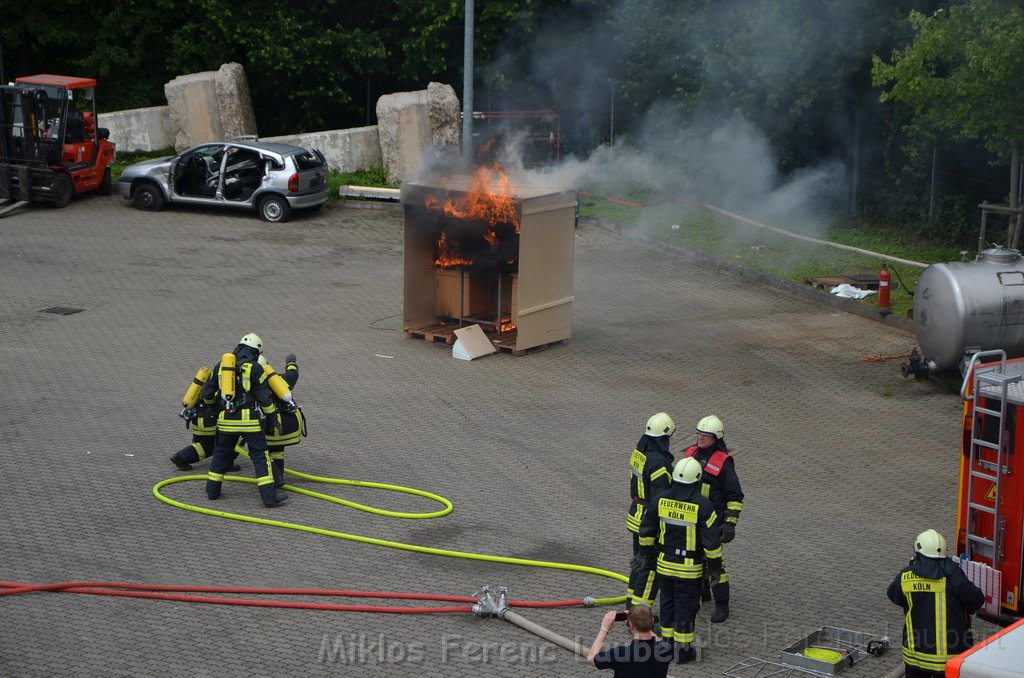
x=176, y=593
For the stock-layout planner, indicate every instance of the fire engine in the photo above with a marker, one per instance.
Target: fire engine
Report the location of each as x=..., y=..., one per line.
x=50, y=146
x=990, y=497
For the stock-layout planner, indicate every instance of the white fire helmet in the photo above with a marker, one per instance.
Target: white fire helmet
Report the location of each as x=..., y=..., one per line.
x=711, y=424
x=930, y=544
x=687, y=471
x=660, y=425
x=252, y=340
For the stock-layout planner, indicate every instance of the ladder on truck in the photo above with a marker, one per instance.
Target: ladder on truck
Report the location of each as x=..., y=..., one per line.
x=993, y=383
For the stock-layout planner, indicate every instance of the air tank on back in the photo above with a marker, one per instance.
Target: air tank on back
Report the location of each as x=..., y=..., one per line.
x=969, y=306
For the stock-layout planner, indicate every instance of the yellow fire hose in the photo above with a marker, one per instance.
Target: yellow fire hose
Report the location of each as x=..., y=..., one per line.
x=447, y=508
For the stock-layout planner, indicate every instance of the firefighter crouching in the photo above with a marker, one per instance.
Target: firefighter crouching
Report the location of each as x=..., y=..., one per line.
x=938, y=601
x=682, y=532
x=721, y=485
x=248, y=410
x=293, y=423
x=201, y=418
x=650, y=474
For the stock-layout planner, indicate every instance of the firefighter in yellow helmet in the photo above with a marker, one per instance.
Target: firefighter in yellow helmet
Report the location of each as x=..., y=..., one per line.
x=721, y=485
x=247, y=412
x=681, y=530
x=293, y=423
x=650, y=473
x=938, y=601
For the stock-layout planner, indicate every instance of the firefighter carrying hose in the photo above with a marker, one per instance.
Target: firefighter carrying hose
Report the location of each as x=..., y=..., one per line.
x=721, y=485
x=938, y=601
x=247, y=412
x=650, y=474
x=680, y=534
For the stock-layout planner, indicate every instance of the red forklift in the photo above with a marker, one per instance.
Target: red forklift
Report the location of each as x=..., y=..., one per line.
x=990, y=495
x=50, y=146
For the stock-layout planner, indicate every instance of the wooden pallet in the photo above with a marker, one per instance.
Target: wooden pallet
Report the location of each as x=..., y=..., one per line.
x=434, y=333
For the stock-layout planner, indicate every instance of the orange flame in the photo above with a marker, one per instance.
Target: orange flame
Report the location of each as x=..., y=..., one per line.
x=447, y=257
x=489, y=198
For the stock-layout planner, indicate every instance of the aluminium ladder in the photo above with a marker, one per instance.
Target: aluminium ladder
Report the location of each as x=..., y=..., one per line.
x=993, y=383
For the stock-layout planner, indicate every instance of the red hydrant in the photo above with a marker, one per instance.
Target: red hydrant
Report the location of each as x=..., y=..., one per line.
x=883, y=289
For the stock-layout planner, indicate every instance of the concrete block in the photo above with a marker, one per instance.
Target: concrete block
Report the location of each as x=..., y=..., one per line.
x=403, y=123
x=347, y=150
x=236, y=114
x=411, y=124
x=139, y=130
x=209, y=106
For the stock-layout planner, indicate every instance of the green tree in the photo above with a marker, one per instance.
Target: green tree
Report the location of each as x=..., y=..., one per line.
x=962, y=74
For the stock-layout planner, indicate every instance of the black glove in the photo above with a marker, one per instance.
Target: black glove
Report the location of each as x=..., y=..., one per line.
x=728, y=532
x=713, y=571
x=289, y=359
x=270, y=424
x=643, y=562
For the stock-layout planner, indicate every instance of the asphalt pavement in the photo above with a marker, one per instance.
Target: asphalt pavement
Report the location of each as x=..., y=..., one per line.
x=107, y=312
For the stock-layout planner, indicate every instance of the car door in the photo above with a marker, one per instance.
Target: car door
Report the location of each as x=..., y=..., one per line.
x=196, y=174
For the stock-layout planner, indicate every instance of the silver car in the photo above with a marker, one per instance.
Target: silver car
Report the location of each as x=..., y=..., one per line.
x=272, y=178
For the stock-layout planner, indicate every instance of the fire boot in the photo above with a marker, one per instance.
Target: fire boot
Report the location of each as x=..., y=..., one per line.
x=180, y=463
x=279, y=499
x=721, y=612
x=687, y=655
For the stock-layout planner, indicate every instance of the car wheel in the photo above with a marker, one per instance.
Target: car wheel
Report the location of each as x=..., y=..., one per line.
x=63, y=189
x=105, y=183
x=274, y=208
x=147, y=197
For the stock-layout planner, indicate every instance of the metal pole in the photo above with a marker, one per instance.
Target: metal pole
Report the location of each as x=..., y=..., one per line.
x=467, y=86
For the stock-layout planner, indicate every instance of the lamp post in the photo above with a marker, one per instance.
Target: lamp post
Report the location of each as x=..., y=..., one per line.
x=467, y=87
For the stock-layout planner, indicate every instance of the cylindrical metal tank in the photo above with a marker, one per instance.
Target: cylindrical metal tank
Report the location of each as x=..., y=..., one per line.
x=971, y=305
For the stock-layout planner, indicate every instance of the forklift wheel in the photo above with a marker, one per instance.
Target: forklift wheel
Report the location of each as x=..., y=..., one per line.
x=105, y=188
x=62, y=188
x=148, y=197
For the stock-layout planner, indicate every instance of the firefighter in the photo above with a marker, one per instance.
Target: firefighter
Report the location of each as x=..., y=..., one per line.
x=201, y=418
x=681, y=534
x=650, y=474
x=247, y=412
x=721, y=485
x=938, y=601
x=293, y=423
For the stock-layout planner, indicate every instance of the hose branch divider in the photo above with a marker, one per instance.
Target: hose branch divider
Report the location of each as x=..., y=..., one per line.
x=489, y=606
x=188, y=593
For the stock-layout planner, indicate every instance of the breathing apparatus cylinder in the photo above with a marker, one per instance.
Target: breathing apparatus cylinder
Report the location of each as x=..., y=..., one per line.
x=227, y=376
x=191, y=396
x=277, y=384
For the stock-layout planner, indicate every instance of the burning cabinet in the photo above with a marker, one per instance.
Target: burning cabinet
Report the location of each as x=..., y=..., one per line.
x=479, y=250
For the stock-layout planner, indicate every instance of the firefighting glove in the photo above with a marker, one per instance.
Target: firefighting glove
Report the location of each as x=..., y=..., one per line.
x=289, y=359
x=728, y=532
x=644, y=561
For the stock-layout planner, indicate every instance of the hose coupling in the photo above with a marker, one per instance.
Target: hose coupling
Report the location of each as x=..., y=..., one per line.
x=588, y=601
x=486, y=606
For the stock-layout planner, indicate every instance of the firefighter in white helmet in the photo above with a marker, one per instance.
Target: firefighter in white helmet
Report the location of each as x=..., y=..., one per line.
x=681, y=530
x=938, y=601
x=650, y=473
x=721, y=485
x=248, y=412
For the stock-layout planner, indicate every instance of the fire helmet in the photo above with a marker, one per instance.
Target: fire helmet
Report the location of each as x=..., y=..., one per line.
x=687, y=471
x=711, y=424
x=660, y=425
x=930, y=544
x=252, y=340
